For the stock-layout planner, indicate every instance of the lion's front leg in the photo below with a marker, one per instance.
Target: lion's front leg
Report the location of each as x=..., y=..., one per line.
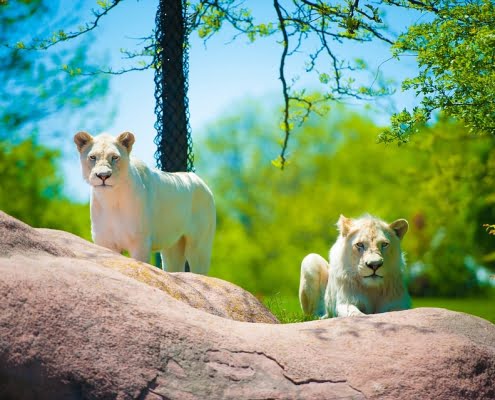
x=104, y=241
x=348, y=310
x=141, y=251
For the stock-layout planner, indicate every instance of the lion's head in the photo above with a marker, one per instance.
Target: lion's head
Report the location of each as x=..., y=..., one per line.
x=104, y=158
x=371, y=250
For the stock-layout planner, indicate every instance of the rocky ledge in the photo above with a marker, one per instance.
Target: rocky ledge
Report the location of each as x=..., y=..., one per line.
x=80, y=322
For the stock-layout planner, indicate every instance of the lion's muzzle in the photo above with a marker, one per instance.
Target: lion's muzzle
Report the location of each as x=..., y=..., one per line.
x=374, y=264
x=104, y=175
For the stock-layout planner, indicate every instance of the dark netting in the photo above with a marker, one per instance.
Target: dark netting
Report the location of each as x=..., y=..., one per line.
x=173, y=139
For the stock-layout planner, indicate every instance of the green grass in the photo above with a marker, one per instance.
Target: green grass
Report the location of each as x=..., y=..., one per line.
x=483, y=307
x=287, y=309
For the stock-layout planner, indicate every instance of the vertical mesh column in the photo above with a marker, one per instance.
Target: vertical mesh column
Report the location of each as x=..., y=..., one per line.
x=173, y=139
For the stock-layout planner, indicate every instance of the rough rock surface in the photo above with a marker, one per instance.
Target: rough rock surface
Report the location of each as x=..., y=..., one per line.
x=72, y=328
x=206, y=293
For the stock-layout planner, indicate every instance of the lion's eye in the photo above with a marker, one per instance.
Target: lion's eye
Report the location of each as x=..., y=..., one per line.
x=92, y=158
x=115, y=158
x=359, y=246
x=385, y=245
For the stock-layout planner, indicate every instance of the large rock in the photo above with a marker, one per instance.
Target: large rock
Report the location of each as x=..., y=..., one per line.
x=206, y=293
x=73, y=328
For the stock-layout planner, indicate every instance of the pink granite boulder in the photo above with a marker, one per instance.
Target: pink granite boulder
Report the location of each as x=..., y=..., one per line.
x=76, y=324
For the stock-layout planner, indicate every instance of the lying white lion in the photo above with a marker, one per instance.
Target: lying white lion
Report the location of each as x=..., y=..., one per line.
x=139, y=209
x=364, y=275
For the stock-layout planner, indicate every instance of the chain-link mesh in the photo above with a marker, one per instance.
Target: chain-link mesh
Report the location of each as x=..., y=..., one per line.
x=173, y=139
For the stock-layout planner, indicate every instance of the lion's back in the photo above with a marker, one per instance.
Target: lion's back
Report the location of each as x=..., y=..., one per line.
x=177, y=203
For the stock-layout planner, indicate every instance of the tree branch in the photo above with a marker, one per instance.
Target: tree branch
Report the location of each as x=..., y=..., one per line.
x=61, y=36
x=418, y=4
x=285, y=90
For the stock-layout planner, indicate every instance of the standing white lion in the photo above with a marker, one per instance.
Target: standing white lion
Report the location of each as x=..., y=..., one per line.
x=139, y=209
x=365, y=275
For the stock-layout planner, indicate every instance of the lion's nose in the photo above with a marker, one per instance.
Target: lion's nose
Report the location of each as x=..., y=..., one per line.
x=104, y=175
x=374, y=265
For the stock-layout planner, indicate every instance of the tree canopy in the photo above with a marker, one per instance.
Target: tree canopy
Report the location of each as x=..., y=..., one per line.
x=34, y=86
x=35, y=89
x=453, y=41
x=441, y=182
x=456, y=58
x=32, y=189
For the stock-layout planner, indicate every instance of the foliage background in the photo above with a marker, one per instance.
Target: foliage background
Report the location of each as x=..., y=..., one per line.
x=268, y=219
x=34, y=89
x=441, y=180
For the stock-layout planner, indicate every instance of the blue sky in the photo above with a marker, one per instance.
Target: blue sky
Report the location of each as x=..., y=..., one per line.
x=222, y=73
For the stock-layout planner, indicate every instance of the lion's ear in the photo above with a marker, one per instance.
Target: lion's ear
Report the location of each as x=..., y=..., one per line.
x=126, y=139
x=81, y=139
x=344, y=225
x=400, y=227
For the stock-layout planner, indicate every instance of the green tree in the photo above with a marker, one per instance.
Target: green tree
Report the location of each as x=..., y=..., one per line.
x=35, y=88
x=456, y=62
x=32, y=189
x=37, y=85
x=452, y=39
x=269, y=220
